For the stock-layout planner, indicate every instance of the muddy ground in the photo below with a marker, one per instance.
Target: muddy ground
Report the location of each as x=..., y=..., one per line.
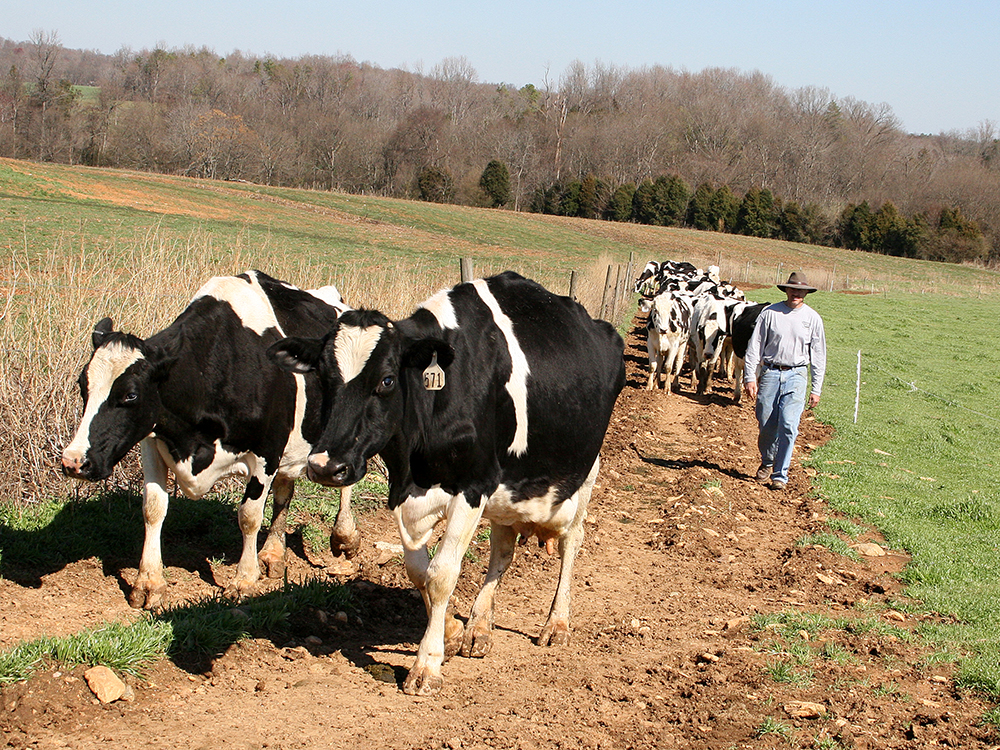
x=683, y=547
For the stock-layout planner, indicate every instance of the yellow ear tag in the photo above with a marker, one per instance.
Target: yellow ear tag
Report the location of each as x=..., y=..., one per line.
x=434, y=375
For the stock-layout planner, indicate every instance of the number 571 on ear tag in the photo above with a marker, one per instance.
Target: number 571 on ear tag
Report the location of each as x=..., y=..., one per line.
x=434, y=375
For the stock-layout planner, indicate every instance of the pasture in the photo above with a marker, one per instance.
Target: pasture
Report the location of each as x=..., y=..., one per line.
x=916, y=468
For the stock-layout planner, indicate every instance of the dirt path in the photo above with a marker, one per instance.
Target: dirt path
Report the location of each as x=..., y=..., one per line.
x=683, y=547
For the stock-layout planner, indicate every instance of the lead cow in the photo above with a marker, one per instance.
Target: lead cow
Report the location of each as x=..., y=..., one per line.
x=509, y=428
x=206, y=402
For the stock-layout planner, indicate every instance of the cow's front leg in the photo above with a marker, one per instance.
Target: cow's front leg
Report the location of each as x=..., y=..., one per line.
x=150, y=585
x=479, y=630
x=345, y=539
x=439, y=581
x=272, y=554
x=251, y=517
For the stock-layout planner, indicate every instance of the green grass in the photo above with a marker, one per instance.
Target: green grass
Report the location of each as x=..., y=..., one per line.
x=200, y=629
x=922, y=457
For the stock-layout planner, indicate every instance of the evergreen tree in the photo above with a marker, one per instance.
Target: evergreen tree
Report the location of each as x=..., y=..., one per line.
x=723, y=210
x=495, y=182
x=435, y=185
x=619, y=207
x=756, y=217
x=644, y=204
x=699, y=213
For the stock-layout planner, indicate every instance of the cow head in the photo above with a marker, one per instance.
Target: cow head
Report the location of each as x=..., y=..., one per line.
x=366, y=366
x=120, y=398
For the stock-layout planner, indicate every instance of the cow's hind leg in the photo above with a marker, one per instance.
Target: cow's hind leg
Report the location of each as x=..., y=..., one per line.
x=272, y=554
x=478, y=630
x=345, y=539
x=556, y=631
x=150, y=585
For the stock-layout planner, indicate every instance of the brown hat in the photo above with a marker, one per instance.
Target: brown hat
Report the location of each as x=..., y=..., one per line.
x=797, y=281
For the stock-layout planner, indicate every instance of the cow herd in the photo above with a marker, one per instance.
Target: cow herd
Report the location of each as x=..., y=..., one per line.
x=491, y=401
x=694, y=315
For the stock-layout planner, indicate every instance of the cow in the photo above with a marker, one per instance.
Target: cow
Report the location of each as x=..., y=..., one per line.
x=709, y=330
x=743, y=319
x=206, y=402
x=490, y=401
x=667, y=333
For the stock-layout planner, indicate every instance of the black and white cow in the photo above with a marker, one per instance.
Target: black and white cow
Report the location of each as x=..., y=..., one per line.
x=526, y=385
x=668, y=332
x=207, y=402
x=743, y=318
x=709, y=329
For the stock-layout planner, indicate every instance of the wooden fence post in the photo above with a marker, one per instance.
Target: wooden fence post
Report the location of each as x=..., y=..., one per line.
x=572, y=286
x=607, y=293
x=466, y=268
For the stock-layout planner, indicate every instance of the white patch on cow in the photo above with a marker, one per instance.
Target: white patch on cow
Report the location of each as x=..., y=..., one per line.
x=296, y=452
x=107, y=364
x=353, y=348
x=541, y=511
x=517, y=385
x=248, y=300
x=441, y=308
x=330, y=296
x=224, y=464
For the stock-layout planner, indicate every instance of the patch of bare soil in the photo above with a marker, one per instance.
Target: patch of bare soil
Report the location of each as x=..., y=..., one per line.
x=683, y=547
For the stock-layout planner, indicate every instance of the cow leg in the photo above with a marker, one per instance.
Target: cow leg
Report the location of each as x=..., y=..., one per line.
x=556, y=631
x=738, y=380
x=150, y=585
x=272, y=554
x=478, y=630
x=345, y=539
x=251, y=518
x=439, y=579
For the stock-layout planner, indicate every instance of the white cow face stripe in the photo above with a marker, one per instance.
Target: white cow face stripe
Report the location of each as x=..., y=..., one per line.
x=441, y=308
x=353, y=347
x=106, y=366
x=517, y=385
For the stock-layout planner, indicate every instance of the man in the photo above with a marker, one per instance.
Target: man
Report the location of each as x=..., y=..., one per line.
x=787, y=339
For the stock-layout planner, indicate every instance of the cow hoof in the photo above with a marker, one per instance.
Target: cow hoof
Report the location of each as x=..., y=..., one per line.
x=347, y=546
x=422, y=682
x=477, y=643
x=554, y=635
x=147, y=594
x=454, y=632
x=274, y=565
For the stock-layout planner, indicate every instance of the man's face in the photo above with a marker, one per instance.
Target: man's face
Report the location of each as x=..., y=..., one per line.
x=796, y=297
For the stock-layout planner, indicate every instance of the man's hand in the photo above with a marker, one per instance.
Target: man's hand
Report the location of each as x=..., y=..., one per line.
x=751, y=388
x=813, y=400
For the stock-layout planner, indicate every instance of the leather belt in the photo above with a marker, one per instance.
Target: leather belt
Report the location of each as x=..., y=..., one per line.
x=772, y=366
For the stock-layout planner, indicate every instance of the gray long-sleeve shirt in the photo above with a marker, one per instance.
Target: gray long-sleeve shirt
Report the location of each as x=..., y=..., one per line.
x=784, y=336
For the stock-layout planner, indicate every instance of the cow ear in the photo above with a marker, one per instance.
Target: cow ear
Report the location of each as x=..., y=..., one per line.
x=162, y=357
x=420, y=353
x=296, y=354
x=101, y=330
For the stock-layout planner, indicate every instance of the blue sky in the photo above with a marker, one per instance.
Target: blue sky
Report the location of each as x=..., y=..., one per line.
x=936, y=64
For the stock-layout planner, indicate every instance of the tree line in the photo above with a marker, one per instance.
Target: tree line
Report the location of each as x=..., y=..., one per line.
x=719, y=149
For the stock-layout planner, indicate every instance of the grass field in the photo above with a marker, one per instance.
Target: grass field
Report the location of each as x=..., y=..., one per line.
x=919, y=464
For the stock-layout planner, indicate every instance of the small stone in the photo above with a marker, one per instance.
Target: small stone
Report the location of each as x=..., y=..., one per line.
x=340, y=616
x=869, y=549
x=892, y=614
x=105, y=684
x=804, y=710
x=737, y=622
x=938, y=679
x=828, y=580
x=710, y=532
x=709, y=657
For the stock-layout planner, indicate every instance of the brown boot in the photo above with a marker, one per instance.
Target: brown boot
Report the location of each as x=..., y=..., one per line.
x=763, y=472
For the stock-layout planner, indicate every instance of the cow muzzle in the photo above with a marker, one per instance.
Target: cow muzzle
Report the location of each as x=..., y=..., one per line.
x=77, y=467
x=322, y=470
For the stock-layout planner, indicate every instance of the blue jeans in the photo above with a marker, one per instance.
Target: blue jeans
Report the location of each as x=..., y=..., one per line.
x=781, y=397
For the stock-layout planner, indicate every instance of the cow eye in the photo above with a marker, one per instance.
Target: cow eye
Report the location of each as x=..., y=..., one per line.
x=386, y=385
x=130, y=397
